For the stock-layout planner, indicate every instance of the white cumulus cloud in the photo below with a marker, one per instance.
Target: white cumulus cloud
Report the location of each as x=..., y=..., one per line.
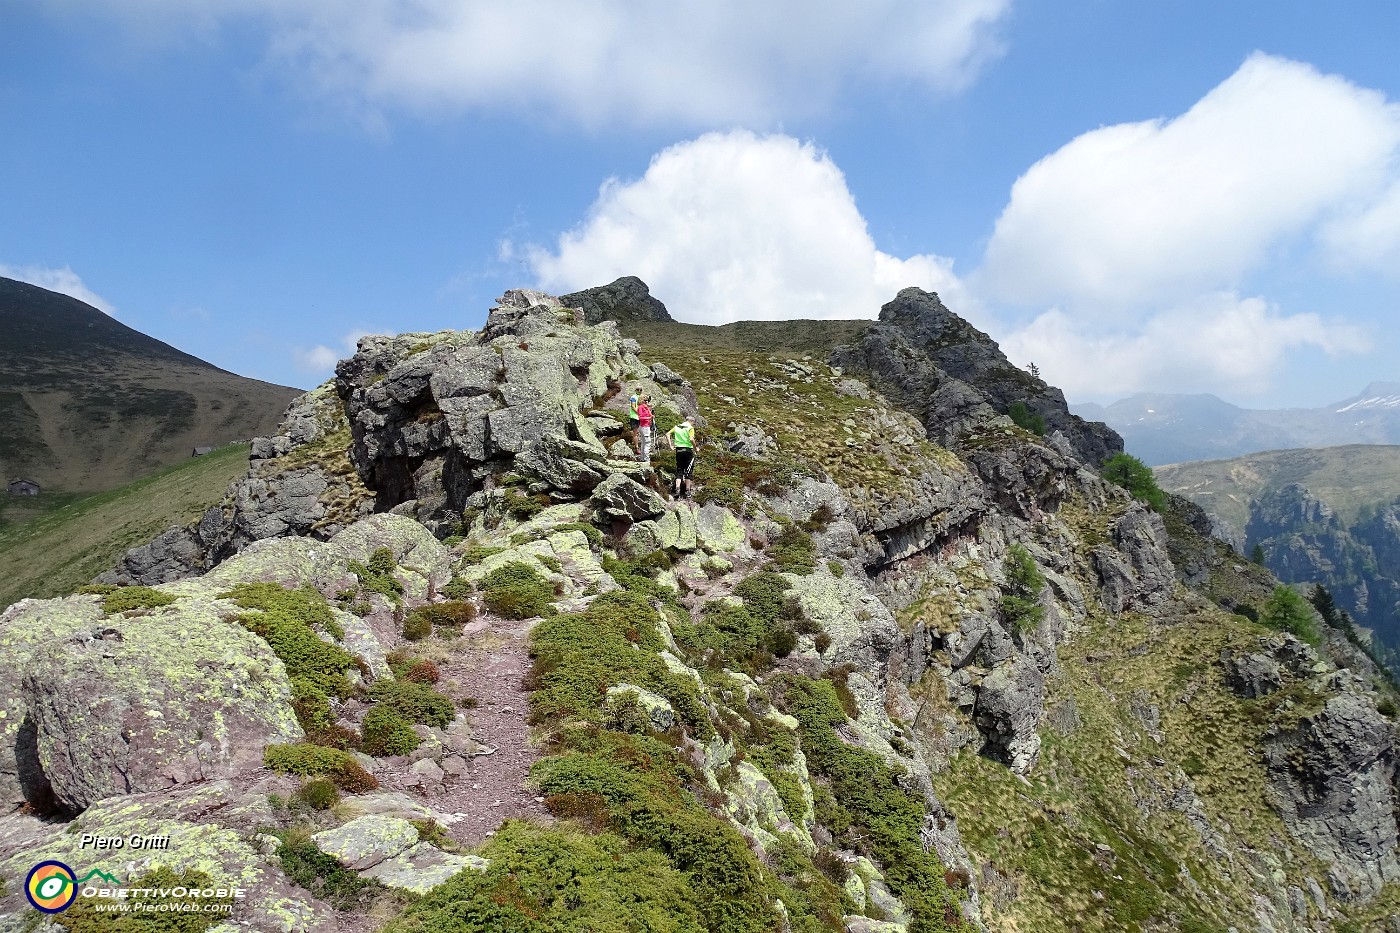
x=64, y=281
x=735, y=226
x=1133, y=216
x=320, y=360
x=605, y=60
x=1218, y=343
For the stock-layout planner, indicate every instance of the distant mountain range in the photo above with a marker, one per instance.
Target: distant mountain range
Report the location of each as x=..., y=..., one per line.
x=1161, y=429
x=89, y=404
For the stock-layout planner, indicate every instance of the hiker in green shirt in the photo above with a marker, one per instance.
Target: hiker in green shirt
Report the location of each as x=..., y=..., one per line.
x=682, y=441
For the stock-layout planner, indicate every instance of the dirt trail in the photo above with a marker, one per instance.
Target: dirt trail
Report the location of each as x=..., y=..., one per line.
x=489, y=665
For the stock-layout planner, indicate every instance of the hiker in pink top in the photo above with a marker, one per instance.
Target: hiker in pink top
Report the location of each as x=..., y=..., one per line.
x=644, y=429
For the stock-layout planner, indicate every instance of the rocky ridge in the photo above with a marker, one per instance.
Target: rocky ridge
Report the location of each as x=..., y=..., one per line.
x=815, y=659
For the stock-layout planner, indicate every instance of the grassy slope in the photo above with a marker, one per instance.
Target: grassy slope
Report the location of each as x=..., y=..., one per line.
x=815, y=337
x=88, y=404
x=1348, y=478
x=77, y=539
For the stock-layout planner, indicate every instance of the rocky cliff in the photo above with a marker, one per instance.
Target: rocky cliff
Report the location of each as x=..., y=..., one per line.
x=450, y=658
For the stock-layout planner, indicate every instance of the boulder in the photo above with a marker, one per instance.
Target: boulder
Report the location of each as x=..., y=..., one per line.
x=150, y=701
x=367, y=840
x=421, y=868
x=676, y=528
x=620, y=497
x=564, y=464
x=1252, y=675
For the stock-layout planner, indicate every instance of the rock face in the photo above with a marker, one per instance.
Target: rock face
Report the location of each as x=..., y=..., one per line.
x=953, y=377
x=626, y=300
x=1334, y=777
x=423, y=420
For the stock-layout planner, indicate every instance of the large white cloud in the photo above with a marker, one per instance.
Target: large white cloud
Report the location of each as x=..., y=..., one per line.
x=1218, y=342
x=604, y=60
x=1130, y=218
x=734, y=226
x=64, y=281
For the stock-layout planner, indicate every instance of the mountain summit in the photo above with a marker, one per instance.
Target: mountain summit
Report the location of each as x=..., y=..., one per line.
x=87, y=403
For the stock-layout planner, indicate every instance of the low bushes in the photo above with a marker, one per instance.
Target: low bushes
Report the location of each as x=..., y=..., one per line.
x=288, y=621
x=560, y=880
x=306, y=760
x=517, y=591
x=126, y=598
x=377, y=575
x=866, y=807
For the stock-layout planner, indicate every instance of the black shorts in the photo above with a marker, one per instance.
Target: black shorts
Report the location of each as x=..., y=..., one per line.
x=633, y=423
x=685, y=462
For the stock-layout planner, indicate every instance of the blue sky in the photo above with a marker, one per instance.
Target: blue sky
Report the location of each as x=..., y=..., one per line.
x=1184, y=197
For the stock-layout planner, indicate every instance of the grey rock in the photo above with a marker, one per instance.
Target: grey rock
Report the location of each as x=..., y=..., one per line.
x=1252, y=675
x=624, y=498
x=625, y=300
x=952, y=376
x=1332, y=777
x=169, y=698
x=563, y=464
x=1009, y=704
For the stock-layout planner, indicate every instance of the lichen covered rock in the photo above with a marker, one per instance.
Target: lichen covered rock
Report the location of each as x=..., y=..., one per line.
x=155, y=700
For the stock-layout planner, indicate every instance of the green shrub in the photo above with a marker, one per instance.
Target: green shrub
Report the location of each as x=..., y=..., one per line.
x=126, y=598
x=1020, y=600
x=377, y=575
x=1135, y=476
x=416, y=627
x=867, y=806
x=451, y=614
x=835, y=569
x=780, y=642
x=288, y=620
x=517, y=591
x=763, y=595
x=318, y=794
x=521, y=505
x=306, y=760
x=1024, y=418
x=415, y=702
x=560, y=880
x=792, y=551
x=476, y=553
x=578, y=656
x=638, y=788
x=459, y=588
x=387, y=733
x=1287, y=611
x=153, y=910
x=326, y=878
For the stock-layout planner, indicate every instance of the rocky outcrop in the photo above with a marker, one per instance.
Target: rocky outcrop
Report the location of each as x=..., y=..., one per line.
x=434, y=427
x=953, y=377
x=626, y=300
x=1333, y=779
x=154, y=701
